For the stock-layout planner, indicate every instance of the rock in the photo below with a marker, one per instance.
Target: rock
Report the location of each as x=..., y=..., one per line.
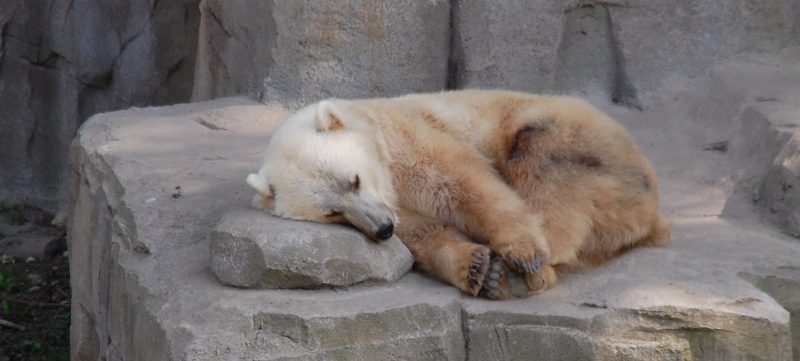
x=251, y=249
x=757, y=109
x=413, y=319
x=40, y=243
x=25, y=234
x=34, y=278
x=144, y=286
x=506, y=45
x=633, y=309
x=609, y=49
x=62, y=61
x=301, y=51
x=126, y=230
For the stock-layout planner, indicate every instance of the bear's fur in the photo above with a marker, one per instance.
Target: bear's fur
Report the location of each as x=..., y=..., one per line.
x=473, y=182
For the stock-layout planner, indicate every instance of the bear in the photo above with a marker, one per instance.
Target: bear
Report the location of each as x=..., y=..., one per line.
x=475, y=183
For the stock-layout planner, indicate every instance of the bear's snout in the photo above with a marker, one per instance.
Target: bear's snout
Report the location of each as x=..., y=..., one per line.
x=385, y=231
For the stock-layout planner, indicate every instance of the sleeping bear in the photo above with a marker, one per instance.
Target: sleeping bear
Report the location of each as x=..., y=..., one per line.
x=475, y=183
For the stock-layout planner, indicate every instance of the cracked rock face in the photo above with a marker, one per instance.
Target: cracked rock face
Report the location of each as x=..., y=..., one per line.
x=62, y=61
x=251, y=249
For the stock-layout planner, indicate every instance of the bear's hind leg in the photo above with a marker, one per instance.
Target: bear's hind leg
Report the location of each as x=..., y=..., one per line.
x=450, y=256
x=496, y=286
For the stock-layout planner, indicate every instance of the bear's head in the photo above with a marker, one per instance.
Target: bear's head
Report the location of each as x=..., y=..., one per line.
x=323, y=165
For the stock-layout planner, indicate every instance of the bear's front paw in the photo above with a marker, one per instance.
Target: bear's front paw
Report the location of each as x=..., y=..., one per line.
x=521, y=256
x=526, y=265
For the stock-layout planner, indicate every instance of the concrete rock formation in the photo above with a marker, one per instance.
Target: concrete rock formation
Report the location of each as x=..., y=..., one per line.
x=725, y=289
x=251, y=249
x=62, y=61
x=623, y=50
x=301, y=51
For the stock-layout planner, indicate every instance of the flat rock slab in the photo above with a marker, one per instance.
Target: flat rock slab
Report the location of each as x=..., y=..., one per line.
x=144, y=288
x=251, y=249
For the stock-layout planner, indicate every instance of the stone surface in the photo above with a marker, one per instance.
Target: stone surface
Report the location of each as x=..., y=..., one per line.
x=143, y=288
x=300, y=51
x=27, y=232
x=251, y=249
x=42, y=243
x=414, y=319
x=767, y=139
x=62, y=61
x=754, y=117
x=696, y=306
x=610, y=49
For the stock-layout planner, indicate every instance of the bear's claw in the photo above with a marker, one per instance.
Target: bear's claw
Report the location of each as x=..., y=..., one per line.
x=526, y=266
x=477, y=271
x=496, y=284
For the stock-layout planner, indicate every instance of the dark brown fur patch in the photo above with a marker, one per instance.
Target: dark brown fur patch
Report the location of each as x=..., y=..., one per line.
x=646, y=182
x=521, y=143
x=556, y=158
x=588, y=160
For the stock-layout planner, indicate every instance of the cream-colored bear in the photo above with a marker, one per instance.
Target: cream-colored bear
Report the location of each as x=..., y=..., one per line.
x=473, y=182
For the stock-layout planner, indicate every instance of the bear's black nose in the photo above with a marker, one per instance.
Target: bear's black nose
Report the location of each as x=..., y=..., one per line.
x=385, y=231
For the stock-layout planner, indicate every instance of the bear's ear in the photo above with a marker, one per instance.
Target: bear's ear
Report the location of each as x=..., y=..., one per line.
x=328, y=117
x=265, y=194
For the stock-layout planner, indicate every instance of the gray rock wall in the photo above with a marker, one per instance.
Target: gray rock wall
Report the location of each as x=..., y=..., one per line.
x=301, y=51
x=64, y=60
x=621, y=50
x=624, y=50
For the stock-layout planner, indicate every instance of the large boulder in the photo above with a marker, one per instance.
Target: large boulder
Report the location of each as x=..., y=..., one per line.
x=250, y=249
x=301, y=51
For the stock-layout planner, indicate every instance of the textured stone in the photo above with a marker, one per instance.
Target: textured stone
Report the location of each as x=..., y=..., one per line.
x=414, y=319
x=251, y=249
x=756, y=118
x=300, y=51
x=62, y=61
x=42, y=243
x=610, y=49
x=143, y=285
x=634, y=307
x=140, y=256
x=27, y=232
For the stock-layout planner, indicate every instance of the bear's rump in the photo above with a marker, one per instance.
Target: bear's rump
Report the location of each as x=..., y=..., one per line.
x=594, y=202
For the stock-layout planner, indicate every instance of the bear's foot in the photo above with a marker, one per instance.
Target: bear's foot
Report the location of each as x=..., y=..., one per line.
x=495, y=286
x=478, y=268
